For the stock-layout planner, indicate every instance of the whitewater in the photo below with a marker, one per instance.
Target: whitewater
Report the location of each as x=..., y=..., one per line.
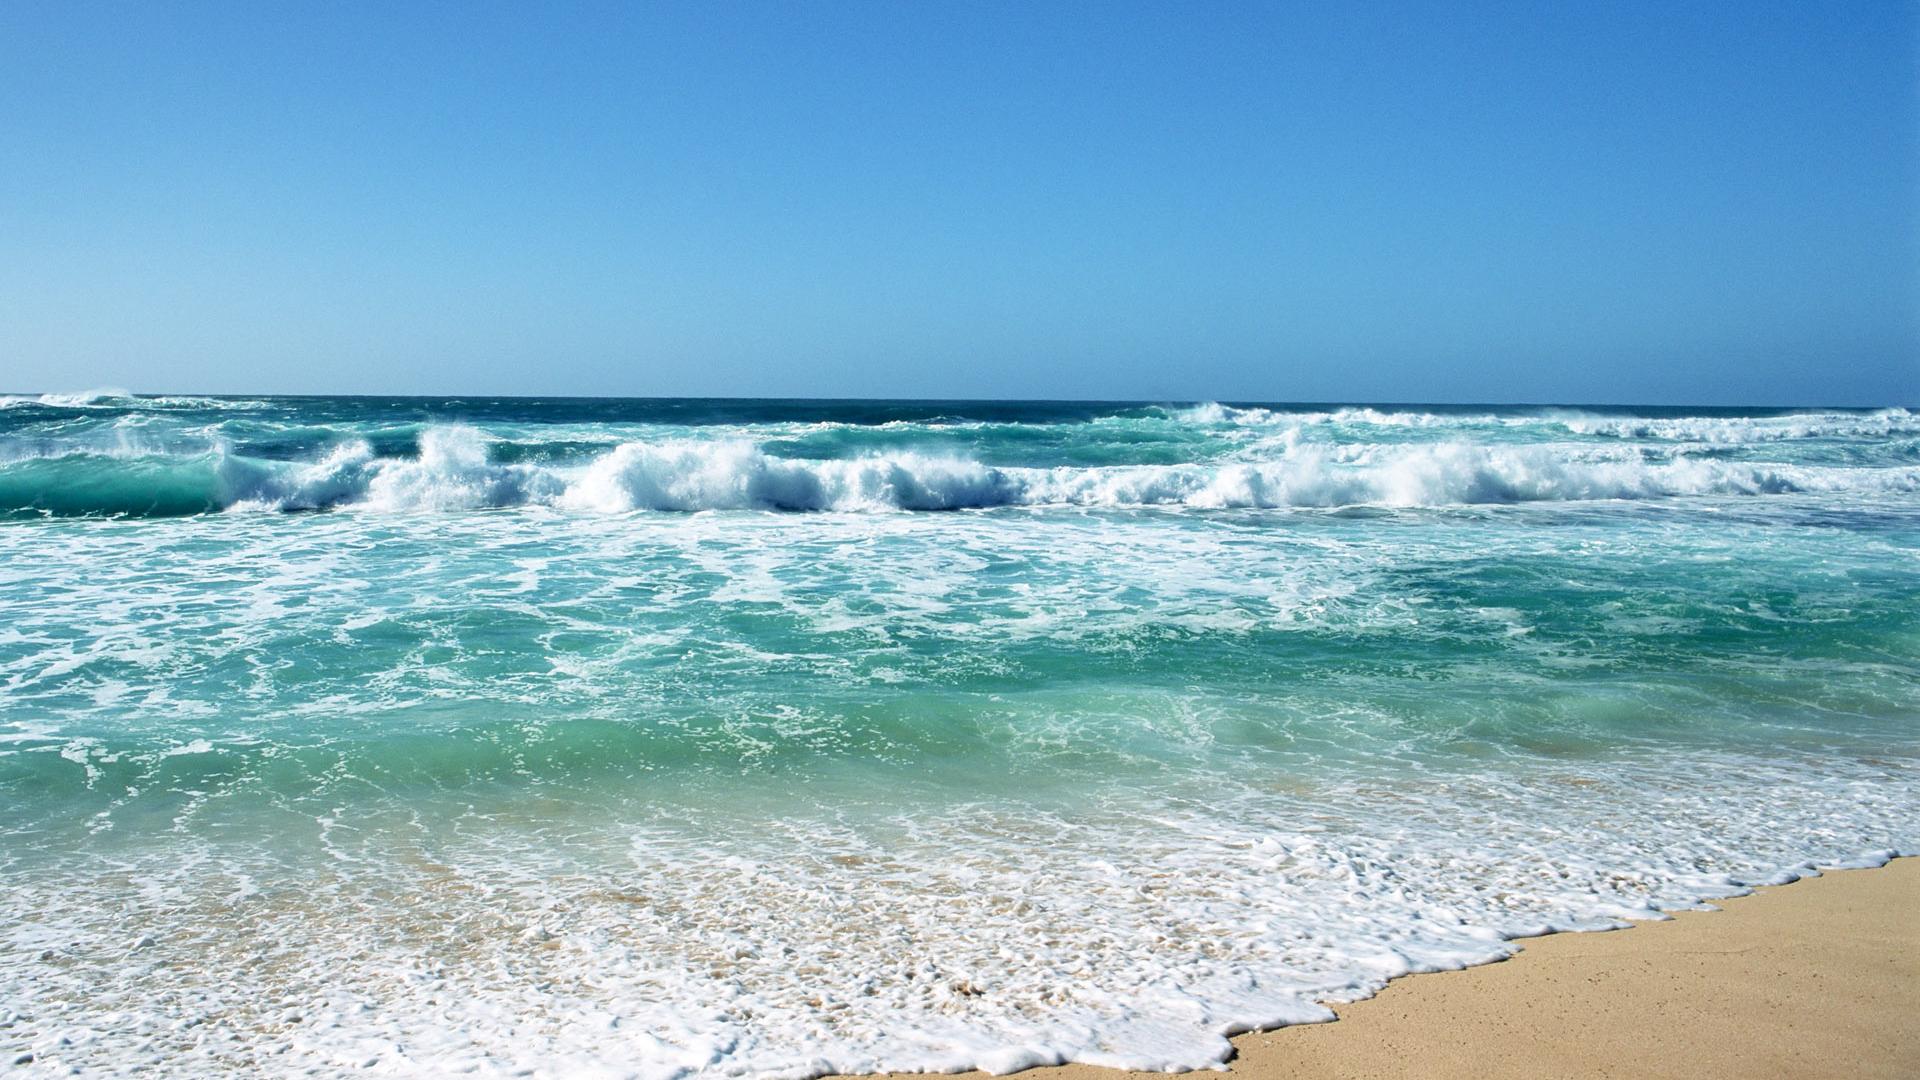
x=671, y=738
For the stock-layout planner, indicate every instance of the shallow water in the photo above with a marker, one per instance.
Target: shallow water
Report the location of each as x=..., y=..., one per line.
x=640, y=738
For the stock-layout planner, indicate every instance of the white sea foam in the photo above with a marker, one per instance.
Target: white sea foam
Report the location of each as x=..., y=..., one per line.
x=690, y=475
x=1718, y=430
x=969, y=938
x=1734, y=431
x=256, y=885
x=453, y=472
x=80, y=399
x=1214, y=413
x=155, y=460
x=114, y=397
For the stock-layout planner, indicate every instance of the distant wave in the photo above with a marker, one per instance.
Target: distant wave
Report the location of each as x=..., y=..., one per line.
x=115, y=398
x=78, y=400
x=1880, y=423
x=1214, y=413
x=1728, y=430
x=454, y=471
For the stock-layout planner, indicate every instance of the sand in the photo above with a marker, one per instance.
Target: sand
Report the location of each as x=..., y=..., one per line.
x=1820, y=978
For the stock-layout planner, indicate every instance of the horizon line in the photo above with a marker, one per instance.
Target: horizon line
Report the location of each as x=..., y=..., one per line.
x=110, y=392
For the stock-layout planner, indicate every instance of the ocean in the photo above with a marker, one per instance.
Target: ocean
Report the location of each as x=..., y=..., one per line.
x=574, y=737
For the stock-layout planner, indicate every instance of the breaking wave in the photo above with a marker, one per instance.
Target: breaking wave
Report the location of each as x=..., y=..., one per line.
x=1881, y=423
x=454, y=470
x=1719, y=430
x=112, y=398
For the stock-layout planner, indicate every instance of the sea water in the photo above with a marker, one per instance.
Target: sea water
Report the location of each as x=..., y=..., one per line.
x=595, y=737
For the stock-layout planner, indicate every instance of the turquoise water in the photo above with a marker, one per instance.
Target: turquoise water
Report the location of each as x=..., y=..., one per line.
x=661, y=737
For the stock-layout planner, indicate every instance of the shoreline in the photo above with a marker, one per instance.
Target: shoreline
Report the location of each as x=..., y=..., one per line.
x=1818, y=977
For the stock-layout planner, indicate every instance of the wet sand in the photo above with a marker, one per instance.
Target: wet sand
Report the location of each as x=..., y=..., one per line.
x=1820, y=978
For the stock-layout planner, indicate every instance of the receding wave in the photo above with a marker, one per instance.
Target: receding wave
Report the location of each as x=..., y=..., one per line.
x=454, y=470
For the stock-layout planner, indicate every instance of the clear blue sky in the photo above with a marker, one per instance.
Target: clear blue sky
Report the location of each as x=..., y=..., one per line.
x=1477, y=202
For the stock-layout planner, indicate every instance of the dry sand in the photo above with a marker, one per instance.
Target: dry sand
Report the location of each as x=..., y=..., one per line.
x=1820, y=978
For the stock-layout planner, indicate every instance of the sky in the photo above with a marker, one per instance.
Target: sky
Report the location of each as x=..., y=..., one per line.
x=1665, y=203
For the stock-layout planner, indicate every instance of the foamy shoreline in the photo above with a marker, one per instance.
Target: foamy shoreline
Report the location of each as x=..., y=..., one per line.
x=1820, y=977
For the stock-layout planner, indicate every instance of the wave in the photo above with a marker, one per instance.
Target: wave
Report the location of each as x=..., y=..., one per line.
x=1214, y=414
x=1448, y=474
x=133, y=486
x=115, y=398
x=454, y=470
x=1879, y=424
x=78, y=400
x=1719, y=430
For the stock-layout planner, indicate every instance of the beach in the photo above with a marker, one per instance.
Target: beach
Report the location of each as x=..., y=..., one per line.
x=1817, y=978
x=665, y=738
x=683, y=541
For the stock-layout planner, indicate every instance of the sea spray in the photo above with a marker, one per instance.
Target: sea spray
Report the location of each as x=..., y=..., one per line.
x=452, y=467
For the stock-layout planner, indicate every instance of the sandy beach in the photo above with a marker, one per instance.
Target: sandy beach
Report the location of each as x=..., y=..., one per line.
x=1820, y=978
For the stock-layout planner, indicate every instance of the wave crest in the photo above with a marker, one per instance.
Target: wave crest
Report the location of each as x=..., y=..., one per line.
x=736, y=476
x=455, y=471
x=1733, y=431
x=1717, y=430
x=113, y=398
